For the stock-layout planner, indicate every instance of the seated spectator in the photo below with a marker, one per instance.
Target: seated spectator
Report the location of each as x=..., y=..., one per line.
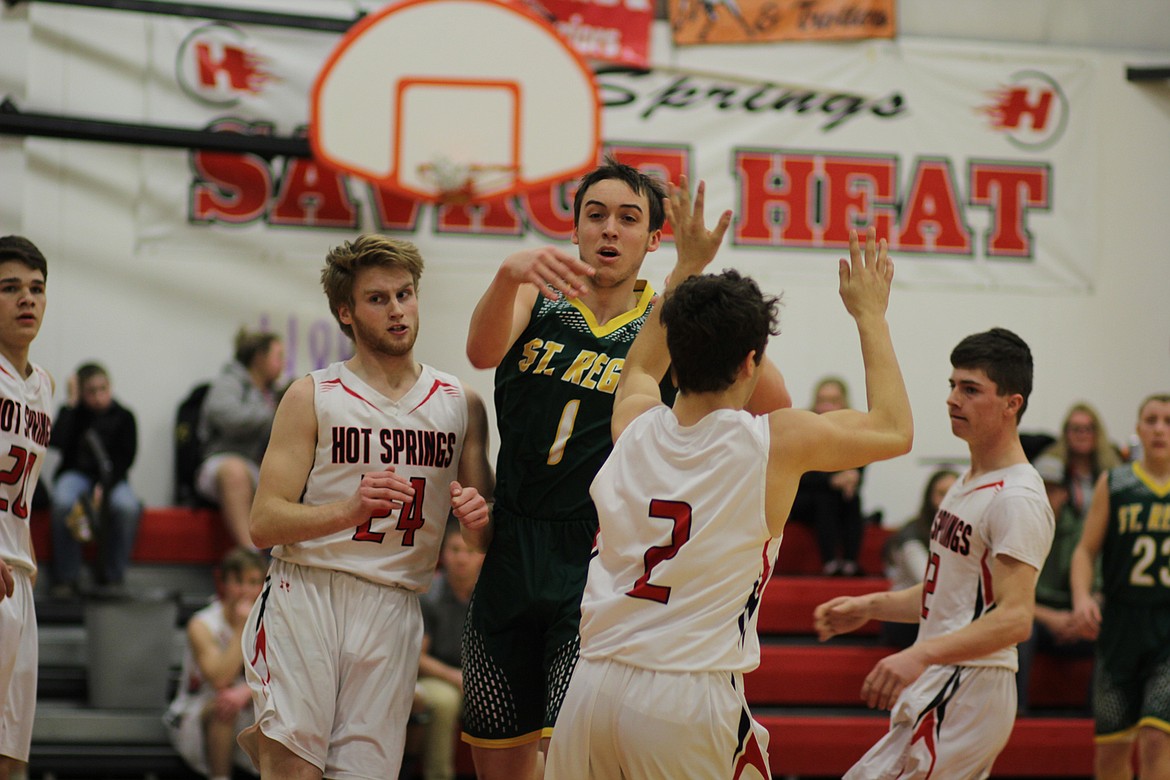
x=907, y=551
x=1053, y=630
x=91, y=498
x=234, y=426
x=213, y=703
x=1084, y=450
x=831, y=502
x=440, y=669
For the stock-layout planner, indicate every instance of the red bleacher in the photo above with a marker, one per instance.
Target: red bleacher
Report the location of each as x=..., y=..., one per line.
x=797, y=675
x=166, y=534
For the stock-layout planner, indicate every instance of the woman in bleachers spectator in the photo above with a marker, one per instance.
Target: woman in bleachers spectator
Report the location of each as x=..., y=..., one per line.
x=234, y=427
x=906, y=552
x=1086, y=452
x=831, y=501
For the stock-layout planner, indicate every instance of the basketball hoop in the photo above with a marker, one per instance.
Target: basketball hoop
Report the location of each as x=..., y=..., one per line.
x=456, y=183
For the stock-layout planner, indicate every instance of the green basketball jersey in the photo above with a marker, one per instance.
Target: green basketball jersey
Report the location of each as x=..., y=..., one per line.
x=554, y=400
x=1136, y=554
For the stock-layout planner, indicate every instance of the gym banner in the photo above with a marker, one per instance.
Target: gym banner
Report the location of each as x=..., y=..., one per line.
x=975, y=162
x=610, y=30
x=755, y=21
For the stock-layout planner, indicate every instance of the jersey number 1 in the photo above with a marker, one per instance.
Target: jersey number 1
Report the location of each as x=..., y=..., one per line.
x=680, y=514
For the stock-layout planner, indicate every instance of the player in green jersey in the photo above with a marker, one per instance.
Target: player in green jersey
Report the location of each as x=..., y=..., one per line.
x=557, y=329
x=1128, y=525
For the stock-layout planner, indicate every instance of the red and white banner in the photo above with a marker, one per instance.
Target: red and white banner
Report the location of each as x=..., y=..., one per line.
x=610, y=30
x=971, y=161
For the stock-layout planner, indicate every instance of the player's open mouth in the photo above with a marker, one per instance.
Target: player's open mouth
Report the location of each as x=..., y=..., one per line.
x=608, y=253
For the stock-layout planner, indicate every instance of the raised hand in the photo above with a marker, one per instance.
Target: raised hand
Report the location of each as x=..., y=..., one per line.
x=866, y=276
x=695, y=244
x=547, y=266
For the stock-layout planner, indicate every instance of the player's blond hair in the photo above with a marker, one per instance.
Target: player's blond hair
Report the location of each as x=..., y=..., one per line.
x=367, y=251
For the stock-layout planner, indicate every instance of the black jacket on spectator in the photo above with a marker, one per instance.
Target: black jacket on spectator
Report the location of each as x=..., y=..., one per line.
x=117, y=431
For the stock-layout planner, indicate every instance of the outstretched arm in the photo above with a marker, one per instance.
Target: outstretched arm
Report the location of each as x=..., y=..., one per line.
x=1014, y=583
x=851, y=438
x=503, y=312
x=648, y=358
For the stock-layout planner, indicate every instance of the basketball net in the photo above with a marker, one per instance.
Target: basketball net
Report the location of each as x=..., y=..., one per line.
x=457, y=182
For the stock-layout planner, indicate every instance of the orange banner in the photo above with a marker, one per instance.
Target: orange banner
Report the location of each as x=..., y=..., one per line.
x=750, y=21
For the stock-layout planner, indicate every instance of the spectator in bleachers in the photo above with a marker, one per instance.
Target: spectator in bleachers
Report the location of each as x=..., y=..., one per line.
x=831, y=502
x=1054, y=631
x=234, y=427
x=213, y=703
x=907, y=551
x=92, y=498
x=440, y=669
x=1084, y=450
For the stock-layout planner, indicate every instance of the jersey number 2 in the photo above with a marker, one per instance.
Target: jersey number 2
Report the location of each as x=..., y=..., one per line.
x=680, y=514
x=929, y=582
x=410, y=518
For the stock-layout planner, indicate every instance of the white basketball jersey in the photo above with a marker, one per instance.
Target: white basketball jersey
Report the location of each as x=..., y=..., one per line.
x=1003, y=512
x=191, y=682
x=24, y=437
x=360, y=431
x=683, y=553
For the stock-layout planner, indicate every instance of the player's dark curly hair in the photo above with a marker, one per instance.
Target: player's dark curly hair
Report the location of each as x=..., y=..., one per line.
x=1003, y=356
x=639, y=182
x=21, y=250
x=712, y=323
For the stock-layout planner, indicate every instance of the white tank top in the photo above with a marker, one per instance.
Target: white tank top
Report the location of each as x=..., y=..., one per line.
x=1003, y=512
x=192, y=685
x=683, y=552
x=24, y=437
x=360, y=431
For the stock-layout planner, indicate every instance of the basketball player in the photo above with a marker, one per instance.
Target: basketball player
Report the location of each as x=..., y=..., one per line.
x=1128, y=524
x=953, y=693
x=26, y=392
x=692, y=503
x=366, y=460
x=557, y=329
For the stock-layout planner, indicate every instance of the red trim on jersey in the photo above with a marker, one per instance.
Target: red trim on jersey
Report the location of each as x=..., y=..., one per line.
x=752, y=756
x=766, y=574
x=261, y=654
x=329, y=384
x=6, y=373
x=925, y=732
x=988, y=590
x=995, y=485
x=439, y=384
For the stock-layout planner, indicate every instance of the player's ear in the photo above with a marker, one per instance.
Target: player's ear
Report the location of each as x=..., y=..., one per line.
x=1014, y=402
x=749, y=366
x=655, y=240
